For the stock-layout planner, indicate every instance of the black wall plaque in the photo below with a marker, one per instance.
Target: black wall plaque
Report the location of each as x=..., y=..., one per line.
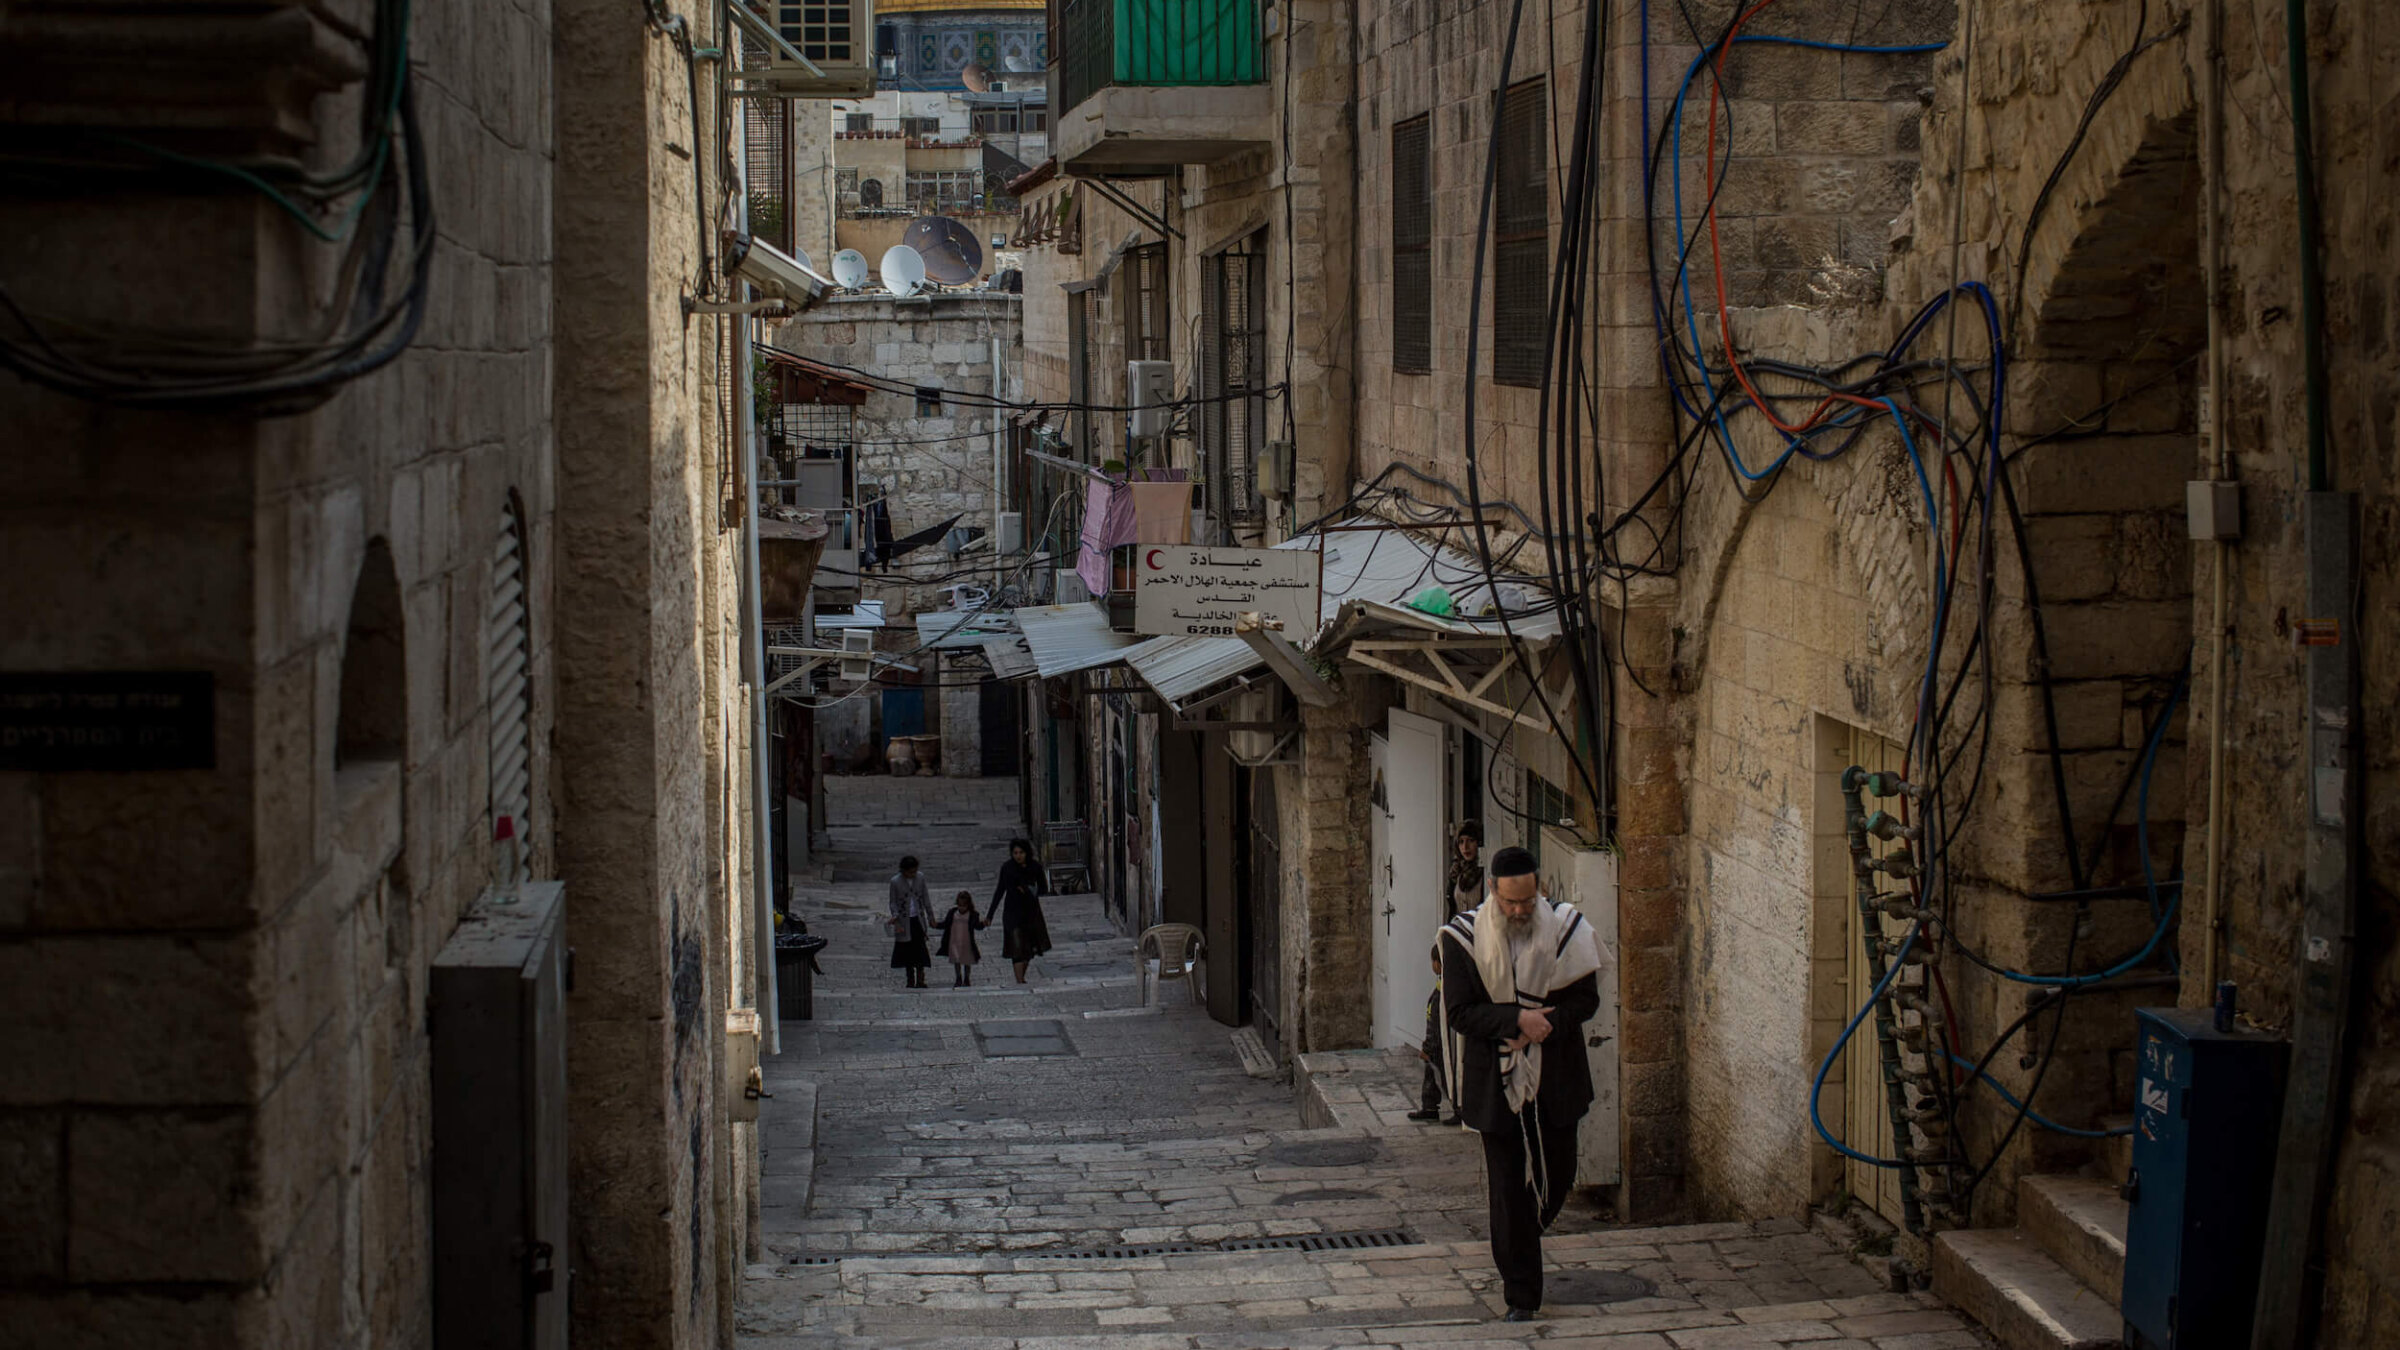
x=108, y=720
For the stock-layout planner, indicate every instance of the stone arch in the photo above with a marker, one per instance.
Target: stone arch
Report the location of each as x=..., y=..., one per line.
x=372, y=721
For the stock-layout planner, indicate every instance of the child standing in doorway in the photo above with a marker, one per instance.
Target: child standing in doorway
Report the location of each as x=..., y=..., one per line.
x=958, y=940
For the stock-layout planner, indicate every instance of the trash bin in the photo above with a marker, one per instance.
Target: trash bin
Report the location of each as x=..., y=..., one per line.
x=795, y=976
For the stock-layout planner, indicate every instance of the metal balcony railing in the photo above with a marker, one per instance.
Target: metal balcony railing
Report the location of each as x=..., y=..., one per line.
x=1156, y=44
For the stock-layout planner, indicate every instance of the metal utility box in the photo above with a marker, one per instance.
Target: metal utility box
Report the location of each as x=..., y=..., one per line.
x=497, y=1005
x=2204, y=1125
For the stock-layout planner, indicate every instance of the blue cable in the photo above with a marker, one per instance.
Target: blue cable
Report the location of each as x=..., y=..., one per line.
x=1816, y=1088
x=2035, y=1116
x=2158, y=734
x=1683, y=252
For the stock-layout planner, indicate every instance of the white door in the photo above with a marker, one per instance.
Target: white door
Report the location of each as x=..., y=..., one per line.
x=1411, y=911
x=1379, y=872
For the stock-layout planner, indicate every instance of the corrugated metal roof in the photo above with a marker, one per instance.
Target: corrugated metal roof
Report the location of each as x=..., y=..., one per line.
x=1011, y=658
x=950, y=629
x=1368, y=576
x=1179, y=667
x=1068, y=638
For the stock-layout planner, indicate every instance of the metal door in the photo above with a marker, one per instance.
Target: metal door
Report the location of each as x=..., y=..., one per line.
x=1379, y=878
x=1265, y=910
x=1412, y=911
x=1866, y=1114
x=998, y=711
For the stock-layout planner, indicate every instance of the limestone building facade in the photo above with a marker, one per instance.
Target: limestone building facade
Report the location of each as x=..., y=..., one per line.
x=452, y=620
x=2067, y=248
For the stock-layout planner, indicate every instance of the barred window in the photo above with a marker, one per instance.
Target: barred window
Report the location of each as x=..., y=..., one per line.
x=944, y=192
x=1521, y=264
x=1412, y=246
x=858, y=123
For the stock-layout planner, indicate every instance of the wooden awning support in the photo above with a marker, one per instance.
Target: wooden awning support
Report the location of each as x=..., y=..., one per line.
x=1391, y=656
x=1285, y=660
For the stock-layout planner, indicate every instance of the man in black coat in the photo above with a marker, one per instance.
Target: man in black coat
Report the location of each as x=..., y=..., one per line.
x=1520, y=977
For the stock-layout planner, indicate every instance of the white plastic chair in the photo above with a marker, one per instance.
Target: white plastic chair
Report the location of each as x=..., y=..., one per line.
x=1169, y=951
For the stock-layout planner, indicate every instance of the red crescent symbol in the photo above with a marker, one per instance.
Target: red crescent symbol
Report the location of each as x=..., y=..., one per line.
x=1150, y=560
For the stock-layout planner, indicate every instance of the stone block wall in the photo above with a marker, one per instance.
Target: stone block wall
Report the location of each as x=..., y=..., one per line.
x=215, y=979
x=928, y=463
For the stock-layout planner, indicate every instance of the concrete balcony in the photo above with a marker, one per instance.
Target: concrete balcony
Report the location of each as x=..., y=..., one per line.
x=1126, y=131
x=1145, y=86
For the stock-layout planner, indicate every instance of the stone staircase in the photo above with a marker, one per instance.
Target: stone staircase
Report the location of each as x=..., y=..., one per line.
x=2053, y=1281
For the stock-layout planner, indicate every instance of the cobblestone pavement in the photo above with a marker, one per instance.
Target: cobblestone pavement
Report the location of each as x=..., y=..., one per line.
x=1056, y=1165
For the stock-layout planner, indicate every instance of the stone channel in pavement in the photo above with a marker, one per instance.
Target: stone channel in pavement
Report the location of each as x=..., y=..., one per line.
x=1056, y=1164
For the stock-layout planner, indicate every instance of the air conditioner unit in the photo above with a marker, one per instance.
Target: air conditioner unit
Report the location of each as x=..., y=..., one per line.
x=1151, y=387
x=858, y=655
x=836, y=36
x=1275, y=471
x=1012, y=532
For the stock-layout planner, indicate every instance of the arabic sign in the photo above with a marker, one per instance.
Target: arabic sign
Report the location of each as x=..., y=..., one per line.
x=1187, y=591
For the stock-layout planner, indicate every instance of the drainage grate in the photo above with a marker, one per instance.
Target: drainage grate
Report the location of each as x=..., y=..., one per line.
x=1108, y=1253
x=1322, y=1242
x=1321, y=1153
x=1579, y=1287
x=1322, y=1196
x=1301, y=1242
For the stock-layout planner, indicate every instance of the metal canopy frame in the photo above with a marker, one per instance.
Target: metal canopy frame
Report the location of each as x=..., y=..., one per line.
x=1389, y=656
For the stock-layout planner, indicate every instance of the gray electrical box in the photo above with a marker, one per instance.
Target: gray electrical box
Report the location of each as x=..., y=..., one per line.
x=2212, y=509
x=497, y=1008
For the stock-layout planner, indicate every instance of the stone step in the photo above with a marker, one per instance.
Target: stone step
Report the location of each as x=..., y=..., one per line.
x=2003, y=1279
x=2080, y=1221
x=1641, y=1289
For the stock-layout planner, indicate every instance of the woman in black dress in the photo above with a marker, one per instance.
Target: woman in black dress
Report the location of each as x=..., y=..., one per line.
x=1017, y=900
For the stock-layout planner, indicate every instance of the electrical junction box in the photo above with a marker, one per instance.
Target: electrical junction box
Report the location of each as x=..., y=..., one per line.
x=496, y=1023
x=1012, y=532
x=2209, y=1108
x=1151, y=387
x=2213, y=509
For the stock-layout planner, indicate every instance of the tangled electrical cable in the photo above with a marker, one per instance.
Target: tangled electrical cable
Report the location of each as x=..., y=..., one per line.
x=1959, y=466
x=358, y=204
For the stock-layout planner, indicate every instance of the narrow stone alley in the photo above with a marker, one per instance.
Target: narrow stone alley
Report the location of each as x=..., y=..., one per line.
x=1058, y=1164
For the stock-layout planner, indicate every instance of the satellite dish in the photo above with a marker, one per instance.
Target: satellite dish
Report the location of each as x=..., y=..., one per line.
x=903, y=270
x=800, y=256
x=977, y=77
x=952, y=257
x=849, y=269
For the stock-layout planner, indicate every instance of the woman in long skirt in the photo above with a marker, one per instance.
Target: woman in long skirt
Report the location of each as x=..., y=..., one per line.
x=910, y=916
x=1017, y=901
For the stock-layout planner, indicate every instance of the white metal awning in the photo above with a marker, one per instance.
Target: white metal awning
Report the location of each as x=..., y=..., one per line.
x=951, y=629
x=1369, y=576
x=864, y=614
x=1068, y=638
x=1011, y=658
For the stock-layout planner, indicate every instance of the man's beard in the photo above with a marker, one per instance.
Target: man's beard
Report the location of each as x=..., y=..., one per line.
x=1519, y=925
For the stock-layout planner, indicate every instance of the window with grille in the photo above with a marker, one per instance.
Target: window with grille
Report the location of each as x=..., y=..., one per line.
x=1547, y=806
x=995, y=121
x=508, y=696
x=767, y=155
x=942, y=192
x=823, y=30
x=859, y=123
x=1521, y=226
x=1412, y=245
x=1233, y=378
x=924, y=128
x=870, y=194
x=1144, y=277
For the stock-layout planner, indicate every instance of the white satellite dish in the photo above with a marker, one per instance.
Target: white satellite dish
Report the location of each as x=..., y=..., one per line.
x=849, y=269
x=903, y=270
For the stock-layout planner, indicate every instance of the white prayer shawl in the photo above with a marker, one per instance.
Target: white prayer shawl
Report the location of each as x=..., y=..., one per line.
x=1559, y=950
